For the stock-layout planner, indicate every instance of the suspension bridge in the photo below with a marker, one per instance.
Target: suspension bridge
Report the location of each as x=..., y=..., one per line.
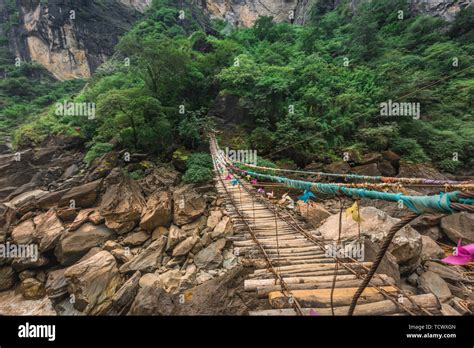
x=293, y=267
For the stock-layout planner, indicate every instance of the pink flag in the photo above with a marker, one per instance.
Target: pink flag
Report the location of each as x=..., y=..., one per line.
x=462, y=255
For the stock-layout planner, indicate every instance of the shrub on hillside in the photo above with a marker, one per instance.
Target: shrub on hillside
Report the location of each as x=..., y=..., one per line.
x=97, y=150
x=198, y=169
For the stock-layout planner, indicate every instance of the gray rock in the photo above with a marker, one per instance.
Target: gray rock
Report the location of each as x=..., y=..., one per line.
x=388, y=266
x=430, y=282
x=223, y=228
x=459, y=226
x=185, y=246
x=430, y=250
x=210, y=257
x=445, y=272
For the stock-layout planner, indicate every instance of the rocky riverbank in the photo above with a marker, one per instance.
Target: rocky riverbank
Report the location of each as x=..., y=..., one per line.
x=110, y=244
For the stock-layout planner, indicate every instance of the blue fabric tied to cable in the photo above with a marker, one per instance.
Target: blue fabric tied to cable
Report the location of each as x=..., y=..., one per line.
x=307, y=195
x=418, y=204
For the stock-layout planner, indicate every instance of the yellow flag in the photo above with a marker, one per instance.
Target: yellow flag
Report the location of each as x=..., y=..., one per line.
x=354, y=212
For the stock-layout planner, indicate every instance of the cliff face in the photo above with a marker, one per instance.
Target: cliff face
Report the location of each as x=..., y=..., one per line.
x=245, y=12
x=73, y=44
x=71, y=38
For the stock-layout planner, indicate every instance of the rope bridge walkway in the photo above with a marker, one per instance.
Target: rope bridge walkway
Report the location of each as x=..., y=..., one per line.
x=298, y=275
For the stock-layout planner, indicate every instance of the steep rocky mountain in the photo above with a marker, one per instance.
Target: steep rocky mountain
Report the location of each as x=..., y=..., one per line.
x=246, y=12
x=70, y=38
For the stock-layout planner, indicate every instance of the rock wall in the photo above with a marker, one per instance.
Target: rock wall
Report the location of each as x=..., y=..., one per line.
x=246, y=12
x=71, y=38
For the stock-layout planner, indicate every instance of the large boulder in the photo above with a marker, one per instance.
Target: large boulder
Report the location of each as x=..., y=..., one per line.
x=122, y=300
x=188, y=205
x=152, y=299
x=83, y=196
x=37, y=261
x=122, y=203
x=148, y=260
x=159, y=177
x=459, y=226
x=453, y=273
x=370, y=169
x=185, y=246
x=314, y=213
x=340, y=167
x=375, y=222
x=228, y=296
x=210, y=257
x=388, y=265
x=158, y=212
x=419, y=170
x=136, y=238
x=23, y=233
x=430, y=250
x=102, y=166
x=93, y=282
x=56, y=285
x=214, y=218
x=430, y=282
x=175, y=236
x=386, y=169
x=405, y=246
x=74, y=245
x=49, y=229
x=223, y=229
x=23, y=198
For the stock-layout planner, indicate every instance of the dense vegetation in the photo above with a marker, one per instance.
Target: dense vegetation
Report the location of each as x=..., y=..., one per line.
x=312, y=91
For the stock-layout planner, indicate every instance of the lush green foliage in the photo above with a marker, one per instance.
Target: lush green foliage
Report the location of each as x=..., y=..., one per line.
x=97, y=150
x=198, y=168
x=307, y=92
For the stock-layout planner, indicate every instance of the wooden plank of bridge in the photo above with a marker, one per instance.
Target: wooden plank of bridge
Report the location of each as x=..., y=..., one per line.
x=322, y=297
x=385, y=307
